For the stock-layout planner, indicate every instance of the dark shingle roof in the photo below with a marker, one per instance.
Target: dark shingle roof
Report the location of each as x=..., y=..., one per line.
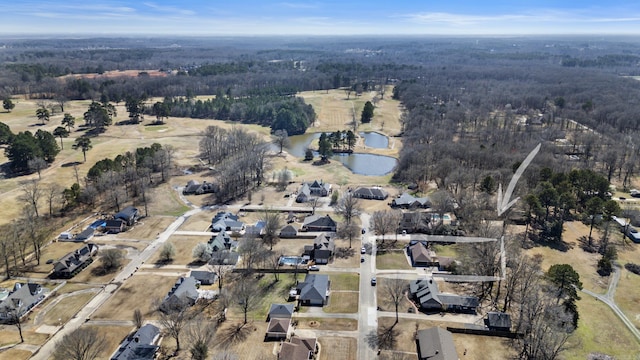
x=436, y=344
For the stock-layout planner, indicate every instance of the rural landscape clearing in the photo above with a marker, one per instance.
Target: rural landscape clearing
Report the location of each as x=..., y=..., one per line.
x=194, y=198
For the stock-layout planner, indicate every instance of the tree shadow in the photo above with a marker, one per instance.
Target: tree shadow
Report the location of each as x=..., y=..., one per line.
x=234, y=334
x=584, y=244
x=385, y=338
x=344, y=252
x=70, y=164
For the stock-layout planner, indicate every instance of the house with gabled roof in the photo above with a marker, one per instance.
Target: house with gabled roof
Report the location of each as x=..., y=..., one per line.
x=222, y=241
x=184, y=292
x=314, y=290
x=85, y=235
x=226, y=221
x=421, y=255
x=407, y=201
x=114, y=226
x=435, y=344
x=278, y=328
x=20, y=300
x=319, y=223
x=299, y=348
x=289, y=231
x=321, y=250
x=73, y=262
x=129, y=215
x=426, y=294
x=315, y=188
x=224, y=257
x=142, y=345
x=204, y=277
x=498, y=321
x=280, y=311
x=370, y=193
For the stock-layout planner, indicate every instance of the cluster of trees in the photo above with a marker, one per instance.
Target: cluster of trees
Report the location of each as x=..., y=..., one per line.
x=239, y=159
x=275, y=110
x=336, y=142
x=29, y=152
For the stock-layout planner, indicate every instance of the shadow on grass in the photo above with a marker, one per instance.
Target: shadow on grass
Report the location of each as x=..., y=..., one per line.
x=385, y=338
x=344, y=253
x=234, y=334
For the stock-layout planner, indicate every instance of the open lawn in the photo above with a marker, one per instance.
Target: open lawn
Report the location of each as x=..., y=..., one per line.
x=184, y=246
x=628, y=295
x=67, y=308
x=342, y=302
x=88, y=276
x=384, y=299
x=272, y=293
x=198, y=222
x=346, y=257
x=327, y=324
x=599, y=330
x=138, y=292
x=346, y=281
x=54, y=251
x=165, y=202
x=9, y=335
x=246, y=343
x=445, y=250
x=391, y=260
x=15, y=354
x=338, y=348
x=478, y=347
x=147, y=228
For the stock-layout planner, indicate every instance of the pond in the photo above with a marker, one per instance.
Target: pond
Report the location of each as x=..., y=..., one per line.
x=358, y=163
x=375, y=140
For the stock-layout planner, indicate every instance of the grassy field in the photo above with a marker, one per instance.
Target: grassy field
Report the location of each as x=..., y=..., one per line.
x=138, y=292
x=337, y=348
x=327, y=324
x=67, y=308
x=15, y=354
x=342, y=302
x=389, y=260
x=345, y=281
x=184, y=246
x=110, y=336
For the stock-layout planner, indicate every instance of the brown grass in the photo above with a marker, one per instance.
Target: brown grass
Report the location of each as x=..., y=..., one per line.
x=338, y=348
x=342, y=302
x=67, y=308
x=111, y=337
x=184, y=246
x=148, y=228
x=15, y=354
x=88, y=276
x=327, y=324
x=250, y=345
x=9, y=335
x=138, y=292
x=390, y=260
x=53, y=251
x=346, y=281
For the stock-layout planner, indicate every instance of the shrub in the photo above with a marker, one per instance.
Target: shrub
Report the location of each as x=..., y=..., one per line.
x=634, y=268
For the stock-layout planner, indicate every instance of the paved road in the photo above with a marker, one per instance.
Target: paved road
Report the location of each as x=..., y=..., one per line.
x=608, y=299
x=367, y=314
x=85, y=313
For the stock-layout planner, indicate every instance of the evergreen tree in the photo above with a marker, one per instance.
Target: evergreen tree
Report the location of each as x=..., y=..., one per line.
x=367, y=112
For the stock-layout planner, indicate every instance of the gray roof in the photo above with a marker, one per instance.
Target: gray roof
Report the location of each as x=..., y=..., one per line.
x=75, y=259
x=314, y=287
x=205, y=277
x=127, y=213
x=319, y=221
x=426, y=292
x=370, y=193
x=498, y=320
x=281, y=310
x=225, y=220
x=222, y=241
x=289, y=230
x=224, y=257
x=140, y=346
x=436, y=344
x=22, y=298
x=184, y=291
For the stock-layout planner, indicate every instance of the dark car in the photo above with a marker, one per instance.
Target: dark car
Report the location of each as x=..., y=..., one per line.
x=363, y=230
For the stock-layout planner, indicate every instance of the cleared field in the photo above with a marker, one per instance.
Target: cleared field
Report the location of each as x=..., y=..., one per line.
x=347, y=281
x=342, y=302
x=184, y=249
x=148, y=228
x=138, y=292
x=67, y=308
x=15, y=354
x=337, y=348
x=393, y=259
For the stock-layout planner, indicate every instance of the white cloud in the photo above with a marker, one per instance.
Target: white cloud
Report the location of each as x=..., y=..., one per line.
x=169, y=9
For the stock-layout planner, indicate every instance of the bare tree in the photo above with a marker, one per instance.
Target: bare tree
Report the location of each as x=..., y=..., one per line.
x=6, y=249
x=34, y=231
x=173, y=320
x=394, y=290
x=221, y=271
x=168, y=252
x=15, y=318
x=202, y=252
x=348, y=206
x=348, y=231
x=248, y=296
x=281, y=138
x=81, y=344
x=37, y=164
x=251, y=250
x=383, y=222
x=274, y=263
x=53, y=193
x=200, y=333
x=272, y=225
x=31, y=194
x=138, y=319
x=110, y=260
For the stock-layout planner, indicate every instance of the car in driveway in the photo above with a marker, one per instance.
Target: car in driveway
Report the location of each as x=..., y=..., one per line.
x=363, y=250
x=374, y=281
x=314, y=268
x=361, y=258
x=363, y=231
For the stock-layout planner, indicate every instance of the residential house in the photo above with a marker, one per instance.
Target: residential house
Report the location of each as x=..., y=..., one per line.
x=114, y=226
x=129, y=215
x=226, y=221
x=407, y=201
x=85, y=235
x=370, y=193
x=184, y=292
x=288, y=231
x=426, y=294
x=319, y=223
x=20, y=300
x=421, y=255
x=98, y=224
x=415, y=222
x=257, y=229
x=298, y=348
x=224, y=257
x=435, y=344
x=73, y=262
x=280, y=311
x=321, y=250
x=278, y=328
x=193, y=187
x=222, y=241
x=498, y=321
x=204, y=277
x=314, y=290
x=316, y=188
x=143, y=345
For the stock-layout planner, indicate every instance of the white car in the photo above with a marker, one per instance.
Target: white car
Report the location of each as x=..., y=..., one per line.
x=363, y=250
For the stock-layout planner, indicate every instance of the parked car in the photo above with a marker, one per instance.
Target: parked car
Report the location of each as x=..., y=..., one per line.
x=361, y=258
x=373, y=281
x=363, y=231
x=314, y=268
x=363, y=250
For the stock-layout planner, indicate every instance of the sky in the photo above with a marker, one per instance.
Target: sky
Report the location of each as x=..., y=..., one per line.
x=319, y=17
